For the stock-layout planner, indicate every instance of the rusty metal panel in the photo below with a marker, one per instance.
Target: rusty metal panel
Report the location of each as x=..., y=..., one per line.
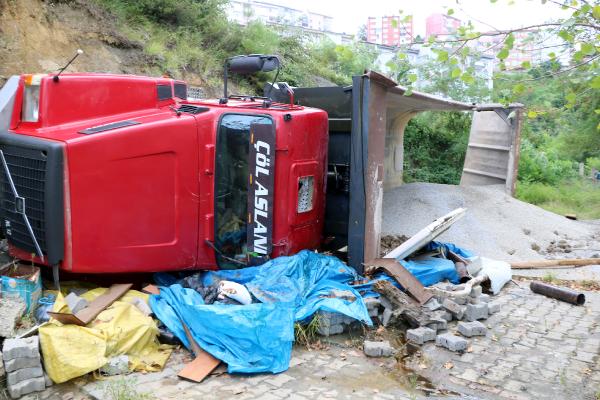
x=407, y=280
x=493, y=150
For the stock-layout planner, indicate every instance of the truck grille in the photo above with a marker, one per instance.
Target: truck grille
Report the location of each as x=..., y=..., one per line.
x=28, y=170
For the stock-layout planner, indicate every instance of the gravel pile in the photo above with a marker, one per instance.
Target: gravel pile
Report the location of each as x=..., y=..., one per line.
x=495, y=225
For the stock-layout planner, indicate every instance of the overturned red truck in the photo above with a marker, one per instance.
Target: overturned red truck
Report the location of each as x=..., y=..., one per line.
x=114, y=173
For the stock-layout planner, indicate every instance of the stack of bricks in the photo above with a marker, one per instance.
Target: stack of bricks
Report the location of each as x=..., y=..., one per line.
x=23, y=366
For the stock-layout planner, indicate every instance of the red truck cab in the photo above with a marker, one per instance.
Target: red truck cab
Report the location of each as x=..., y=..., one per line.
x=112, y=173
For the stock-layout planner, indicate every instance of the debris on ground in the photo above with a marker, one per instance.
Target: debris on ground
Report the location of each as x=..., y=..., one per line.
x=11, y=311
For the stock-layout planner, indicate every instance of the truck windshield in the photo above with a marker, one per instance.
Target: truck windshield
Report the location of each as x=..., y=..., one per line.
x=231, y=188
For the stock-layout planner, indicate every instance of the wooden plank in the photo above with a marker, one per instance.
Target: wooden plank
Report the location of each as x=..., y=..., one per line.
x=202, y=365
x=99, y=304
x=66, y=318
x=407, y=280
x=151, y=289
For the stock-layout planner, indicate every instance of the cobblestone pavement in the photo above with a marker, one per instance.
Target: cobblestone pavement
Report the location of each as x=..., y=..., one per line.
x=535, y=348
x=339, y=372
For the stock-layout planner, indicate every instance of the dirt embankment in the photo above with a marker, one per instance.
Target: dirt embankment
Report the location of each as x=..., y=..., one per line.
x=41, y=36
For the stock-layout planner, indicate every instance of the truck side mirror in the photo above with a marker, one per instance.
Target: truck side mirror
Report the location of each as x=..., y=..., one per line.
x=249, y=64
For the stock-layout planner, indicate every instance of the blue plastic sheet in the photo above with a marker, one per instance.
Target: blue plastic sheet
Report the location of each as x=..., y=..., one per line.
x=431, y=270
x=258, y=337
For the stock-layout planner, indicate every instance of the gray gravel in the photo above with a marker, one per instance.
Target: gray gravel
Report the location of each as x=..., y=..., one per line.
x=495, y=225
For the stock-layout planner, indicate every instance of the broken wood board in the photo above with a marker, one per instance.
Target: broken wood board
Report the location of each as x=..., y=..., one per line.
x=96, y=306
x=407, y=280
x=404, y=308
x=202, y=365
x=151, y=289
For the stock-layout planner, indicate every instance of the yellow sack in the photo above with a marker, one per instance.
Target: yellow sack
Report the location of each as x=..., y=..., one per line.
x=70, y=350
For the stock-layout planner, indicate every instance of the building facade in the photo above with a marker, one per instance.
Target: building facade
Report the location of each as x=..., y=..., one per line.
x=245, y=11
x=440, y=25
x=389, y=30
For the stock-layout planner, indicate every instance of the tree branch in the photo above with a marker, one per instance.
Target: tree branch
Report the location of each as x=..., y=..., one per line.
x=555, y=73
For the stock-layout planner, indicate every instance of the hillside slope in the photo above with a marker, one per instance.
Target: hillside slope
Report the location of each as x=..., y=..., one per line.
x=37, y=36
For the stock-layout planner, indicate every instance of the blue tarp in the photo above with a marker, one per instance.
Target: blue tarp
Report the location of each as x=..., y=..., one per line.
x=258, y=337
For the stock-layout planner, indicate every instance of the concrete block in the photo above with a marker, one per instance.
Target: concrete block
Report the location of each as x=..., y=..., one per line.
x=474, y=300
x=474, y=328
x=387, y=314
x=493, y=307
x=378, y=349
x=420, y=335
x=451, y=342
x=432, y=304
x=19, y=375
x=476, y=311
x=475, y=291
x=461, y=300
x=25, y=387
x=455, y=309
x=447, y=316
x=437, y=322
x=21, y=348
x=75, y=302
x=118, y=365
x=19, y=363
x=485, y=298
x=2, y=370
x=11, y=310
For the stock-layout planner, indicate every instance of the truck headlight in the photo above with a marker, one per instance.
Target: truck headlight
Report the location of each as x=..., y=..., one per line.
x=31, y=98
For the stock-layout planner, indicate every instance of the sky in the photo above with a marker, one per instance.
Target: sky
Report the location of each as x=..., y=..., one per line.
x=349, y=15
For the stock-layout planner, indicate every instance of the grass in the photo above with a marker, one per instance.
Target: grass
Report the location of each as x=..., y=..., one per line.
x=307, y=334
x=578, y=197
x=549, y=278
x=124, y=389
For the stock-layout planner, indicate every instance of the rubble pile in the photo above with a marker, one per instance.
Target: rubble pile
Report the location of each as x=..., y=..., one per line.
x=497, y=225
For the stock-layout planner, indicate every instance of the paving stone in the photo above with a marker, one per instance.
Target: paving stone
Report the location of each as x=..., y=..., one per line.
x=476, y=311
x=26, y=387
x=420, y=335
x=20, y=348
x=455, y=309
x=75, y=302
x=485, y=298
x=432, y=304
x=279, y=380
x=373, y=304
x=447, y=316
x=19, y=375
x=378, y=349
x=470, y=329
x=475, y=291
x=451, y=342
x=437, y=322
x=19, y=363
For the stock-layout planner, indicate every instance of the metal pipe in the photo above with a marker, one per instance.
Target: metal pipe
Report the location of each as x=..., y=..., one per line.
x=564, y=294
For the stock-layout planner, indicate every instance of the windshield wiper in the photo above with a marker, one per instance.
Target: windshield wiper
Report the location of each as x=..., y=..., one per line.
x=20, y=206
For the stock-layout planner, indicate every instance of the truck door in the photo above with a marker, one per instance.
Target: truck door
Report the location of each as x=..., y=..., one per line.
x=244, y=173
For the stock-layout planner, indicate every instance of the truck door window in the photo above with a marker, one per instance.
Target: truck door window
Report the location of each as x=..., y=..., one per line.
x=231, y=187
